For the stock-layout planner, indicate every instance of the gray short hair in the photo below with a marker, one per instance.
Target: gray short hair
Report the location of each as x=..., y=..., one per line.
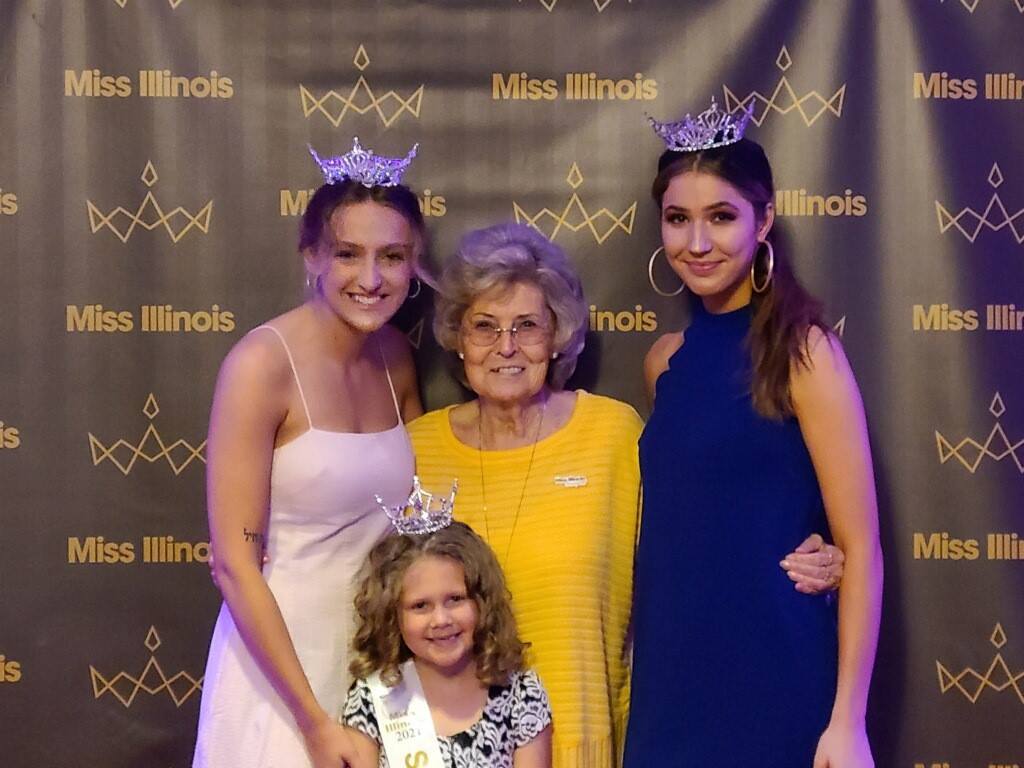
x=503, y=256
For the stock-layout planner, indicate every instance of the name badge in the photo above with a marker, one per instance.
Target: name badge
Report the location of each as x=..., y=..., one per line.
x=570, y=481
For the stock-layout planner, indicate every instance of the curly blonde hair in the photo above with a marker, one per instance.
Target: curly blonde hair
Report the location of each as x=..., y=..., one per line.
x=377, y=642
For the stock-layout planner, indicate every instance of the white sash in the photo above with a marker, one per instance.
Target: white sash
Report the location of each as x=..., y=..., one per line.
x=403, y=716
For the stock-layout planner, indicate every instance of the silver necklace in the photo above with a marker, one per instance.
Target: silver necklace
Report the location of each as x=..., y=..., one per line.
x=526, y=480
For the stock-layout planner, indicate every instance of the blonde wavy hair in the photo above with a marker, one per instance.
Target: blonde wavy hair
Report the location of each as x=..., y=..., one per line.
x=377, y=642
x=499, y=258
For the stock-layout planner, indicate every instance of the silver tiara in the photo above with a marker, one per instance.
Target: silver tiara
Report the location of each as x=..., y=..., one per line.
x=363, y=166
x=421, y=514
x=712, y=128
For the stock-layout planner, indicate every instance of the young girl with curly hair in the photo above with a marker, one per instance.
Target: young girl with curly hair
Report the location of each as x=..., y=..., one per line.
x=435, y=626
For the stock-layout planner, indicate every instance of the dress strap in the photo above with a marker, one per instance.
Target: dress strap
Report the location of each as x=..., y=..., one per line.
x=295, y=373
x=391, y=384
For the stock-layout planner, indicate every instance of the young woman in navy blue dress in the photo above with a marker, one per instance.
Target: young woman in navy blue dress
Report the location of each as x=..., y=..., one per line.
x=757, y=438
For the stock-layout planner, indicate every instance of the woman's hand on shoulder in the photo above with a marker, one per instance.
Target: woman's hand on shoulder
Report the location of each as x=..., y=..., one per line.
x=656, y=361
x=402, y=367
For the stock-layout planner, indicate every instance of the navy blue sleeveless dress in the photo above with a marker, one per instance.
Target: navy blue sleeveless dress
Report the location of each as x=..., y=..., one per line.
x=732, y=666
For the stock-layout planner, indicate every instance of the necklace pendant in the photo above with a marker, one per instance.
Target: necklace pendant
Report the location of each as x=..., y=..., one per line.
x=522, y=494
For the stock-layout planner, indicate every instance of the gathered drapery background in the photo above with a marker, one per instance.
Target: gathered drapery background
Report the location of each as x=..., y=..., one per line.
x=153, y=167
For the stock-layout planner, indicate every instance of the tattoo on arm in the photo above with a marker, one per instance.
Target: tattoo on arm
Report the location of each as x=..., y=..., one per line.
x=254, y=536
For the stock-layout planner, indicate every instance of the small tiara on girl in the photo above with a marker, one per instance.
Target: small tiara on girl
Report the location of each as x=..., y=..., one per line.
x=712, y=128
x=426, y=516
x=363, y=166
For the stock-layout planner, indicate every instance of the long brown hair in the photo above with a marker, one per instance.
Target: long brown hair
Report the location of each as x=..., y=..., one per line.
x=785, y=313
x=377, y=641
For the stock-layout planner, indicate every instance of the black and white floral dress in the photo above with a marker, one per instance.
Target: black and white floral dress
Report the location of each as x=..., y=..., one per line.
x=513, y=716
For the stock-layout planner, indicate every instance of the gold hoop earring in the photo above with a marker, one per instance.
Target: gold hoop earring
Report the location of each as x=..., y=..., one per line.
x=419, y=288
x=770, y=268
x=312, y=283
x=650, y=276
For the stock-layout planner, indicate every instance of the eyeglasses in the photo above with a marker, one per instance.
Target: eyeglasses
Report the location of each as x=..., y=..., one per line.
x=484, y=334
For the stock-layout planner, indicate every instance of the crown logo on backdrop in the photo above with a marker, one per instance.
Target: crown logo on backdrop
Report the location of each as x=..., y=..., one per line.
x=970, y=5
x=599, y=4
x=969, y=222
x=602, y=223
x=123, y=454
x=361, y=99
x=998, y=676
x=784, y=99
x=415, y=334
x=149, y=215
x=363, y=166
x=712, y=128
x=997, y=445
x=125, y=687
x=421, y=513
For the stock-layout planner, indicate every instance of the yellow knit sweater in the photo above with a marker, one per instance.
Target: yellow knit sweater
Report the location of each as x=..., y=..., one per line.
x=567, y=551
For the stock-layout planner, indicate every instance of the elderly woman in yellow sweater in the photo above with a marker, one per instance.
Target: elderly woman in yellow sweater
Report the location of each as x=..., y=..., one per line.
x=549, y=477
